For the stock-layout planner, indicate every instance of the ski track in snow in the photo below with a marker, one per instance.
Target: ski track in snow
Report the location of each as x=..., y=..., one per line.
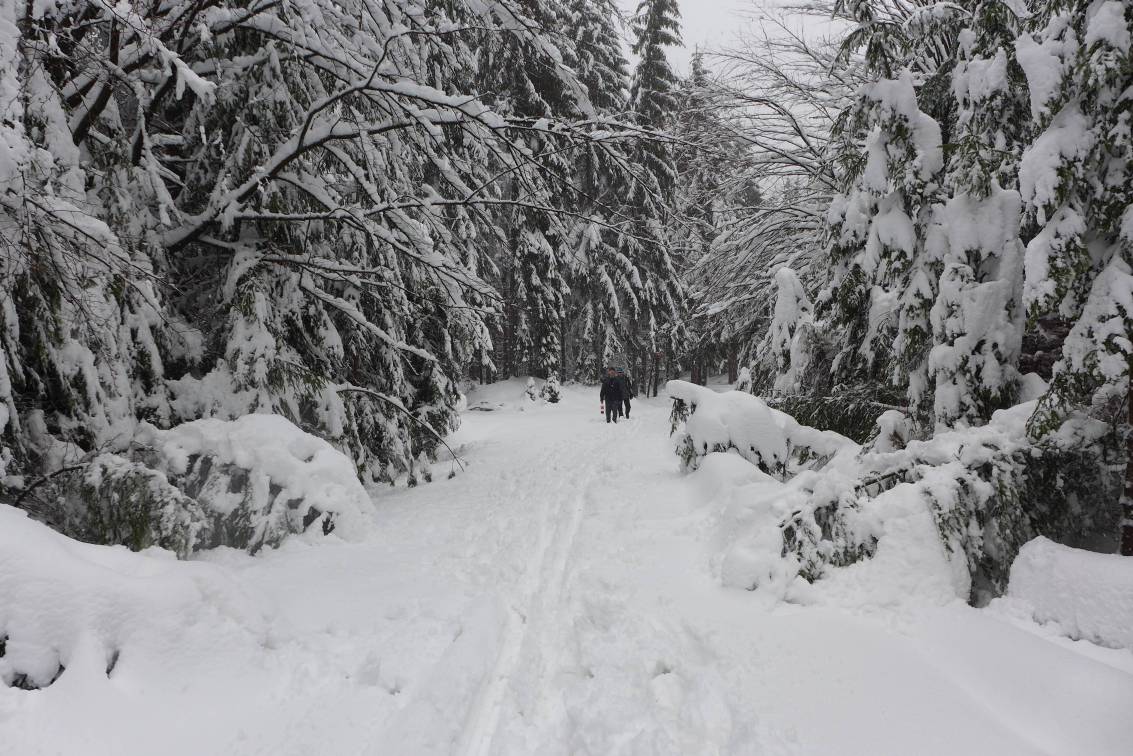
x=559, y=597
x=540, y=596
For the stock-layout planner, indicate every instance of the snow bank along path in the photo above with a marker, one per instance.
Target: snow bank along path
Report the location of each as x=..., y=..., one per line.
x=561, y=596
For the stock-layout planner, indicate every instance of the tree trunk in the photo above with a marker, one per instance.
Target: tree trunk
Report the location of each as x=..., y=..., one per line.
x=564, y=353
x=733, y=364
x=656, y=373
x=1127, y=493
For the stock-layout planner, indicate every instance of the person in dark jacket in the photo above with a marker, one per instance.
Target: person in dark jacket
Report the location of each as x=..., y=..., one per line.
x=611, y=395
x=627, y=390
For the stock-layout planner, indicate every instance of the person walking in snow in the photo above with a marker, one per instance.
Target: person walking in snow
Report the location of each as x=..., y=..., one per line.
x=627, y=390
x=611, y=395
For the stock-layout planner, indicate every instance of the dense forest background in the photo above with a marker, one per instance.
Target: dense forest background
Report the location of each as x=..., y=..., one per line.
x=339, y=211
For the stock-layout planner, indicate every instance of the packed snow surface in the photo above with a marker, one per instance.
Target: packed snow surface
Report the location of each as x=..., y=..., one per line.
x=562, y=595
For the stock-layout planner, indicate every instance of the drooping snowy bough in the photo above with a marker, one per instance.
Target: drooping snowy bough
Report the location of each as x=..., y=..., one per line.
x=962, y=503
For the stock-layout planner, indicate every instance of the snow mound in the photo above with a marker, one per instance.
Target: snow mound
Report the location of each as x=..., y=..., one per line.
x=1089, y=595
x=266, y=477
x=75, y=614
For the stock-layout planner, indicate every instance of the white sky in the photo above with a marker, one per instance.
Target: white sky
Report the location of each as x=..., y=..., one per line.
x=715, y=23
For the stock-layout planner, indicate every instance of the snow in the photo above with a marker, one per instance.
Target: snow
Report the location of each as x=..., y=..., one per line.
x=1067, y=140
x=561, y=596
x=1044, y=62
x=1086, y=595
x=1108, y=23
x=1049, y=245
x=897, y=99
x=978, y=80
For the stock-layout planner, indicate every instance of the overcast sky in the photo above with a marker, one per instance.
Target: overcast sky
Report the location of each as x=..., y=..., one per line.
x=715, y=23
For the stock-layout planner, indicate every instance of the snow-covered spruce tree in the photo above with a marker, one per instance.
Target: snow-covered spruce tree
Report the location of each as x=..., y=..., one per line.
x=85, y=333
x=657, y=319
x=925, y=286
x=1076, y=179
x=652, y=92
x=974, y=247
x=521, y=75
x=552, y=389
x=602, y=281
x=880, y=291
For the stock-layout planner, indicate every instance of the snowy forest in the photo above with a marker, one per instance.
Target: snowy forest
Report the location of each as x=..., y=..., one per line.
x=281, y=277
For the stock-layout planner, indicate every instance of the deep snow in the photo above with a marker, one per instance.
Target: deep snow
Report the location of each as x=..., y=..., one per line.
x=561, y=595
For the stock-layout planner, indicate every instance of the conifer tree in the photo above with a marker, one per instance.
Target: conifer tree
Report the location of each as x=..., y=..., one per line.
x=1076, y=180
x=657, y=314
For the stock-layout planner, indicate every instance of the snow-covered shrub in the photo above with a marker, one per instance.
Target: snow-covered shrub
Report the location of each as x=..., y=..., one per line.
x=984, y=491
x=551, y=390
x=1088, y=595
x=771, y=440
x=115, y=500
x=989, y=489
x=259, y=478
x=530, y=391
x=245, y=483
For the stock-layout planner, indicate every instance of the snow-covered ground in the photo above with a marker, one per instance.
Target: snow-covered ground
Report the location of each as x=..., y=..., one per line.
x=560, y=596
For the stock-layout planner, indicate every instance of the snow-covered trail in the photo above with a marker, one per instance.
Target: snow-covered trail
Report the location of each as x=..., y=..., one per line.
x=559, y=597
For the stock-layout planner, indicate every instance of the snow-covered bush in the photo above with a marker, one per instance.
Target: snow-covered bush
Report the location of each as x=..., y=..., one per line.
x=551, y=390
x=984, y=491
x=115, y=500
x=771, y=440
x=259, y=478
x=1087, y=595
x=245, y=483
x=530, y=391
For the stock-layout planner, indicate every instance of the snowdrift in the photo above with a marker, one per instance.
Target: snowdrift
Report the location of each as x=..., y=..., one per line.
x=1088, y=596
x=934, y=520
x=78, y=613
